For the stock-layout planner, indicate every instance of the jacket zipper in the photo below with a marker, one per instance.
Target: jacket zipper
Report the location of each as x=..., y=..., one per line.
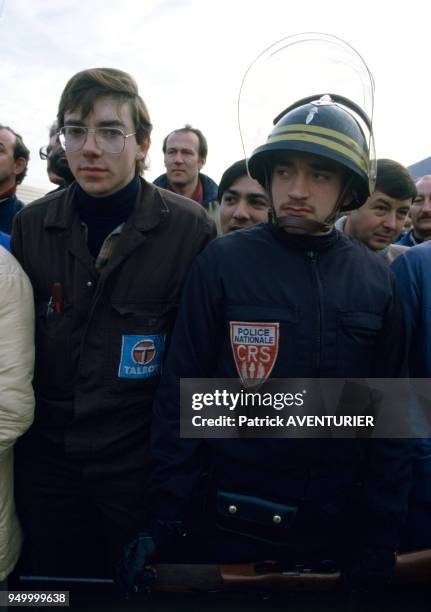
x=317, y=333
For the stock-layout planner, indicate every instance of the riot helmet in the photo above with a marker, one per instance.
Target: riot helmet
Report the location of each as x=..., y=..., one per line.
x=332, y=126
x=320, y=125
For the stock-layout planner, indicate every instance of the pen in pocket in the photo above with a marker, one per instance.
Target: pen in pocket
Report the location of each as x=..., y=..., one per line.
x=55, y=304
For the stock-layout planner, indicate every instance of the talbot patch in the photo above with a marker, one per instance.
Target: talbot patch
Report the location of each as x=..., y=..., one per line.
x=255, y=350
x=141, y=356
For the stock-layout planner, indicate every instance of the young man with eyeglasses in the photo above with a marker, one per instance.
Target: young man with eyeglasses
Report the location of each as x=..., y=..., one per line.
x=107, y=259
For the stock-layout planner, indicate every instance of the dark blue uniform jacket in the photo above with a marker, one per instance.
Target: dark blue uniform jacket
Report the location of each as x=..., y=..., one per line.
x=339, y=316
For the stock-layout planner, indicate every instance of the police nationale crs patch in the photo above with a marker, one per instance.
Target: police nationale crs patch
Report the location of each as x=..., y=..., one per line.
x=255, y=349
x=141, y=356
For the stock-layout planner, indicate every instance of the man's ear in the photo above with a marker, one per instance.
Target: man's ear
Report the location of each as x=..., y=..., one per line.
x=20, y=165
x=143, y=148
x=351, y=197
x=350, y=200
x=201, y=162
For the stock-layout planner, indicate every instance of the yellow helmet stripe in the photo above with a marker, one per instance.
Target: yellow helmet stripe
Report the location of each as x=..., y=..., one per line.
x=324, y=142
x=322, y=131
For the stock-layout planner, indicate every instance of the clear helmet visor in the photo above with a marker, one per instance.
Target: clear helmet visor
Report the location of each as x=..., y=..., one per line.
x=295, y=68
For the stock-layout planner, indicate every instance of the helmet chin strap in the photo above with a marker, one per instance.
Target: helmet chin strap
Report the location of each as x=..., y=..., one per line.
x=301, y=225
x=304, y=226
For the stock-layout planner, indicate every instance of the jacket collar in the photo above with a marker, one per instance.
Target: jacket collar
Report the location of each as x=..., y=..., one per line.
x=304, y=242
x=147, y=213
x=340, y=224
x=210, y=188
x=8, y=198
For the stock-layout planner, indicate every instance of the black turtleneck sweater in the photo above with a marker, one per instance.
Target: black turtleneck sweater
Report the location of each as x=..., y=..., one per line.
x=103, y=215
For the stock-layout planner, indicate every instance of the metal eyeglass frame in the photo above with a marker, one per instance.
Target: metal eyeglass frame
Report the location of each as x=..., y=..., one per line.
x=62, y=137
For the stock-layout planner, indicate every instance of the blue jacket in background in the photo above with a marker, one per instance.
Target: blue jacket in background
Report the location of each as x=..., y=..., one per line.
x=8, y=208
x=407, y=239
x=413, y=272
x=5, y=241
x=210, y=187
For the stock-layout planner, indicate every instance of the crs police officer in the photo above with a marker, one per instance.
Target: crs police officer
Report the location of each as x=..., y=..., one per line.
x=337, y=313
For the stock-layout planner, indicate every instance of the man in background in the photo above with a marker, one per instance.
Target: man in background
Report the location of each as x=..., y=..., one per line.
x=379, y=221
x=420, y=214
x=14, y=157
x=57, y=166
x=185, y=152
x=243, y=202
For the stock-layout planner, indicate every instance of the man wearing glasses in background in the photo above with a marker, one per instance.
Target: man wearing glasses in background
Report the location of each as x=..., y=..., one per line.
x=57, y=166
x=107, y=259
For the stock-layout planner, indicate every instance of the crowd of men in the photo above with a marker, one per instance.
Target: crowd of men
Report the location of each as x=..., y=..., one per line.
x=101, y=269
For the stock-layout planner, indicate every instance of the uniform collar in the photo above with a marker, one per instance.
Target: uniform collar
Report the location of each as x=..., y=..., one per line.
x=305, y=242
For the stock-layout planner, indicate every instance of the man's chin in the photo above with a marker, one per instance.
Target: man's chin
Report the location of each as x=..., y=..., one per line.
x=424, y=226
x=177, y=178
x=295, y=230
x=379, y=245
x=235, y=228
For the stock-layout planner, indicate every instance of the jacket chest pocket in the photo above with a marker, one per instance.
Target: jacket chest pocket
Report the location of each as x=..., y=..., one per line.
x=255, y=518
x=54, y=361
x=357, y=336
x=137, y=341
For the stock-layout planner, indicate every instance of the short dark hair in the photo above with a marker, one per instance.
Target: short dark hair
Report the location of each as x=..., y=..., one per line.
x=53, y=129
x=19, y=150
x=230, y=175
x=394, y=180
x=203, y=145
x=86, y=86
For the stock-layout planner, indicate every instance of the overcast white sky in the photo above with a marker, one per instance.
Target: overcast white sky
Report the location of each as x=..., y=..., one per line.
x=189, y=56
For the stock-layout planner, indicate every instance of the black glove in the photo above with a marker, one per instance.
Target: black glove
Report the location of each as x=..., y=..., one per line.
x=371, y=570
x=132, y=575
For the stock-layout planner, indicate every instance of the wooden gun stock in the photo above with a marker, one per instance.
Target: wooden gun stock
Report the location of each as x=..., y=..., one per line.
x=411, y=568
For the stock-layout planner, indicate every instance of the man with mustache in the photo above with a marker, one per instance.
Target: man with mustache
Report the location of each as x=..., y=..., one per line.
x=292, y=298
x=420, y=214
x=379, y=221
x=107, y=258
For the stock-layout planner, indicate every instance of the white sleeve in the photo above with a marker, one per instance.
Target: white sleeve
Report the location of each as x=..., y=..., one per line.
x=16, y=351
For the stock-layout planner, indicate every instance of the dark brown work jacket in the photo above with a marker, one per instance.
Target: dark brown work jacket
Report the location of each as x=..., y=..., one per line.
x=98, y=361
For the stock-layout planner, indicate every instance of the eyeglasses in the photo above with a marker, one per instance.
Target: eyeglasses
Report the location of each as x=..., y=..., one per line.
x=44, y=152
x=109, y=139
